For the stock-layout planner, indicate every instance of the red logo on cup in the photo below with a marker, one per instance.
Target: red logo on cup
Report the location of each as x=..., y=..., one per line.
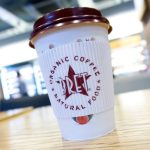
x=74, y=83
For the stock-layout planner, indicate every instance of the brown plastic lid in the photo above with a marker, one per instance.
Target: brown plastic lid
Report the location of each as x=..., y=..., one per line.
x=67, y=16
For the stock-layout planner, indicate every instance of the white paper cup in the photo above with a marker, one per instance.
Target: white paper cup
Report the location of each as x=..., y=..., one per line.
x=74, y=57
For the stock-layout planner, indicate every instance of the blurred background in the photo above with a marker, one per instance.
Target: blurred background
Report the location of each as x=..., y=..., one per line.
x=130, y=47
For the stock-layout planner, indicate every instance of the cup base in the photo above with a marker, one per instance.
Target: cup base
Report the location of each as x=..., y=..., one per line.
x=100, y=124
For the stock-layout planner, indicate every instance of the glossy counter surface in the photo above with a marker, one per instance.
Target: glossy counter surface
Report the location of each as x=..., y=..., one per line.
x=38, y=130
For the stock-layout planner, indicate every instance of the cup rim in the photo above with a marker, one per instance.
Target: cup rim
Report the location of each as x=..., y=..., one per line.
x=65, y=16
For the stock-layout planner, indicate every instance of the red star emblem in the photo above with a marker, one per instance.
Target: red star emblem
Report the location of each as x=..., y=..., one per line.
x=75, y=83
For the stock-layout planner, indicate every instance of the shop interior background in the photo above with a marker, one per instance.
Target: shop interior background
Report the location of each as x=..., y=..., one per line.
x=129, y=43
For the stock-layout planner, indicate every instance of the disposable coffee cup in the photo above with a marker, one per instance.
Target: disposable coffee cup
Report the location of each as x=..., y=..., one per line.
x=74, y=57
